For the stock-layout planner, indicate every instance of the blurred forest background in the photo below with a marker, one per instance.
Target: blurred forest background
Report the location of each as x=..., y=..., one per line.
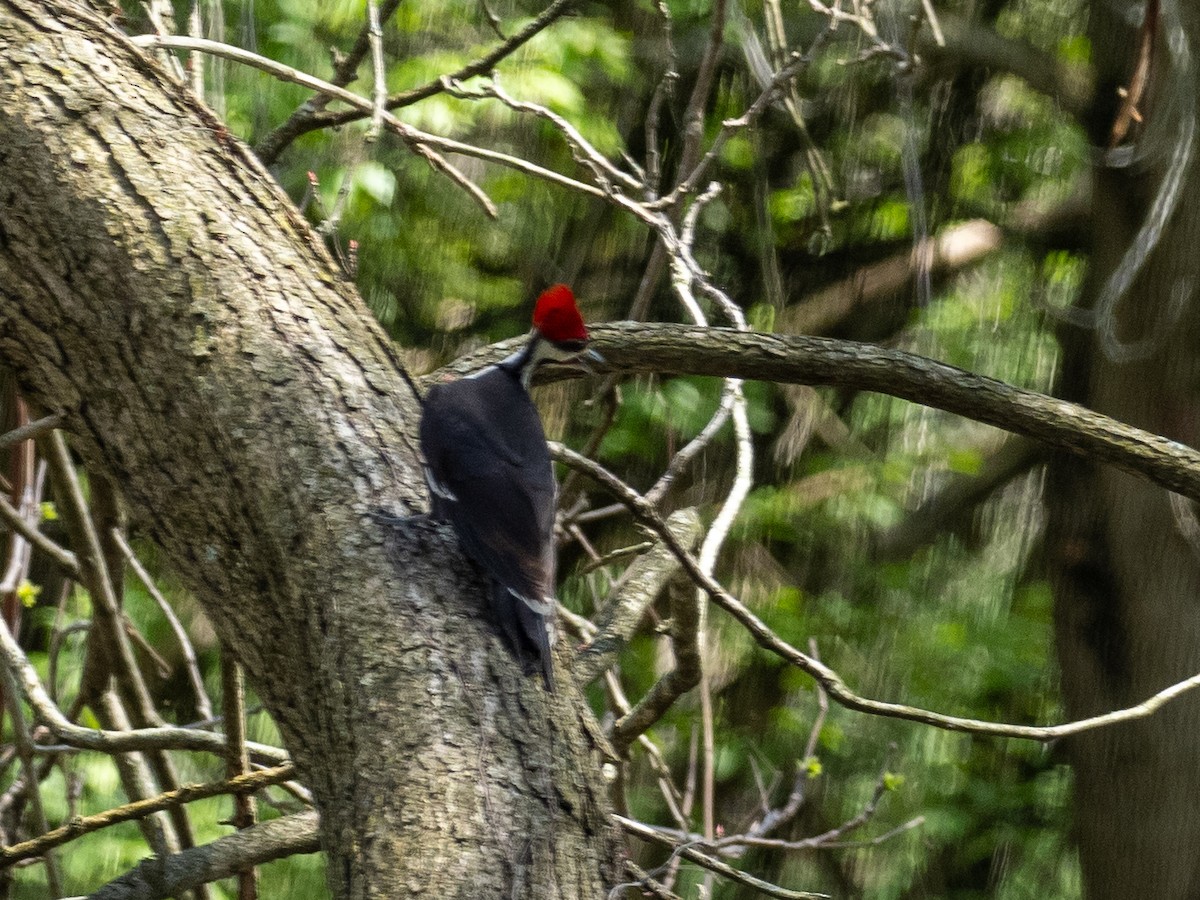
x=933, y=199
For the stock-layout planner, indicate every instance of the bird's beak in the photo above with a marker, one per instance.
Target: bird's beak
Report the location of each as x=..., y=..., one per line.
x=588, y=357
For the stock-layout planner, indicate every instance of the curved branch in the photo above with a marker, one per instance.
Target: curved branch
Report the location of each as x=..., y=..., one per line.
x=827, y=677
x=631, y=347
x=164, y=737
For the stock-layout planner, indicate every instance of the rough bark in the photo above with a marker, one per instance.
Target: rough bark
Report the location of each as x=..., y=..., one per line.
x=159, y=291
x=1127, y=573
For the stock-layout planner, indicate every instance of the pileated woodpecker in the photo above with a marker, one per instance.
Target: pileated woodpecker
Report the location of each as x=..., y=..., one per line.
x=490, y=476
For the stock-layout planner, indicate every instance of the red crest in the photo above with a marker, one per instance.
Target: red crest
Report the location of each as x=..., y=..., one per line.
x=557, y=317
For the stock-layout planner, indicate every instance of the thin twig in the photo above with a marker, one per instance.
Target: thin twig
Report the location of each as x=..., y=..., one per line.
x=773, y=819
x=190, y=660
x=240, y=785
x=603, y=172
x=830, y=679
x=375, y=34
x=108, y=622
x=302, y=122
x=28, y=530
x=733, y=844
x=31, y=781
x=688, y=851
x=237, y=759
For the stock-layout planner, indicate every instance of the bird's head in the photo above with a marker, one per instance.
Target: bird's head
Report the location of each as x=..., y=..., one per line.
x=557, y=321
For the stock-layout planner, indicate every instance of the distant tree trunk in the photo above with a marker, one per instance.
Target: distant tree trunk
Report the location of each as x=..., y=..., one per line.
x=1127, y=561
x=161, y=292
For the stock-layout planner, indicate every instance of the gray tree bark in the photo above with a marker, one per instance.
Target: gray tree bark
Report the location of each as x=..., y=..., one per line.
x=158, y=290
x=1127, y=561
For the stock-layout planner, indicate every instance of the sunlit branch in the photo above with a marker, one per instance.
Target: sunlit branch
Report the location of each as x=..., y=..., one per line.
x=240, y=785
x=603, y=172
x=345, y=70
x=424, y=145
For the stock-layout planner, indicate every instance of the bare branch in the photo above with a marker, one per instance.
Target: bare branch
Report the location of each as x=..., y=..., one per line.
x=828, y=678
x=687, y=851
x=164, y=737
x=157, y=879
x=631, y=347
x=240, y=785
x=191, y=662
x=302, y=121
x=637, y=589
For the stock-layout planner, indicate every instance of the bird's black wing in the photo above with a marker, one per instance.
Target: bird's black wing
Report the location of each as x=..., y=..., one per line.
x=492, y=479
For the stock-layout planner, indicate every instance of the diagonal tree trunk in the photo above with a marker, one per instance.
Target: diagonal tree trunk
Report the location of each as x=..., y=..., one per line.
x=161, y=292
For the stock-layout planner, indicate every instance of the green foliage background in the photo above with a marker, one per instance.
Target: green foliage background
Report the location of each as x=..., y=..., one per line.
x=962, y=625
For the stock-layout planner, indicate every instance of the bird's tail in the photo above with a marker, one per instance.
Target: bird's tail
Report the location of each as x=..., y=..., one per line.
x=527, y=628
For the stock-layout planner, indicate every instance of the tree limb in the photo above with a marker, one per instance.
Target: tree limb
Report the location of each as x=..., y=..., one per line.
x=827, y=677
x=189, y=793
x=156, y=879
x=630, y=348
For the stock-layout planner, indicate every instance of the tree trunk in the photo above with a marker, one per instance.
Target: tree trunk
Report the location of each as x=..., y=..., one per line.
x=1126, y=556
x=161, y=292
